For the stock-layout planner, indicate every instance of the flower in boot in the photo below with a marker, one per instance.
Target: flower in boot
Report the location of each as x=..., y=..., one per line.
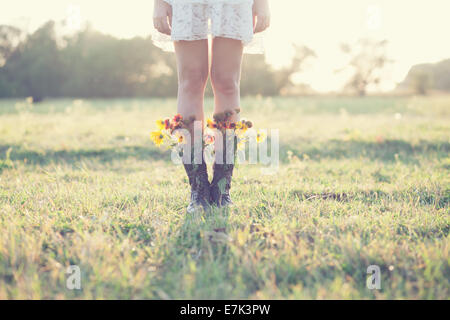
x=220, y=125
x=167, y=123
x=160, y=124
x=175, y=125
x=241, y=145
x=260, y=136
x=157, y=137
x=211, y=124
x=177, y=118
x=180, y=137
x=209, y=138
x=243, y=125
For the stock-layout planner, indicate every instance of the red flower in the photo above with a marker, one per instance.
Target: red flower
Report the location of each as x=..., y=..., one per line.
x=167, y=123
x=175, y=125
x=177, y=118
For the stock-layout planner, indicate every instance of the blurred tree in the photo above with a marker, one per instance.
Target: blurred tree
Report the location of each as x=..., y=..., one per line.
x=423, y=78
x=367, y=58
x=284, y=76
x=421, y=82
x=10, y=38
x=103, y=66
x=258, y=77
x=34, y=68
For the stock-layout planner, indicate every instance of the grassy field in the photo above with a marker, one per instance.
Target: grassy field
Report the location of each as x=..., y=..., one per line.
x=362, y=182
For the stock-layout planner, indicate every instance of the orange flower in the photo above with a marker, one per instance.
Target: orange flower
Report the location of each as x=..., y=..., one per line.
x=211, y=124
x=166, y=123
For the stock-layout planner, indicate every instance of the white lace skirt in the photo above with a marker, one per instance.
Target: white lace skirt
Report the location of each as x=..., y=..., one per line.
x=197, y=19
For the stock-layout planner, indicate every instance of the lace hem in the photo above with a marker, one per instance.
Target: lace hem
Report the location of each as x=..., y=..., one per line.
x=165, y=43
x=201, y=19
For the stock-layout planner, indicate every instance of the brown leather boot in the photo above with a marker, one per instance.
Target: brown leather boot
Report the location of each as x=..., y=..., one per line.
x=221, y=182
x=198, y=179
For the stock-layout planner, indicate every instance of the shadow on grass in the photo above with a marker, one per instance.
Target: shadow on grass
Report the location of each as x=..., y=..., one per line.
x=420, y=196
x=104, y=155
x=387, y=151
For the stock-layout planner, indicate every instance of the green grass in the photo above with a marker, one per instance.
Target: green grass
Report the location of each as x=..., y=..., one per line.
x=362, y=182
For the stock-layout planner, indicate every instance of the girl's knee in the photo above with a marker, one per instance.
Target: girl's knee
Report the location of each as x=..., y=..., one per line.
x=192, y=79
x=225, y=82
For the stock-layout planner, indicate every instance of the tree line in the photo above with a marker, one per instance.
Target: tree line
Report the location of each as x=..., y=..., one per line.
x=89, y=64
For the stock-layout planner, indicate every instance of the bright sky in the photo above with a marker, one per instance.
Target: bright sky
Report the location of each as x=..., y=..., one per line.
x=416, y=29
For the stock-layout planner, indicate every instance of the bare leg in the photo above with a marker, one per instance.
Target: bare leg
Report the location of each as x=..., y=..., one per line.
x=225, y=80
x=226, y=73
x=192, y=65
x=193, y=69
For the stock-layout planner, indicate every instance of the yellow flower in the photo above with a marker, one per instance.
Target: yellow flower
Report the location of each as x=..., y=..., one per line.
x=261, y=136
x=243, y=125
x=210, y=124
x=160, y=124
x=241, y=128
x=157, y=137
x=240, y=133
